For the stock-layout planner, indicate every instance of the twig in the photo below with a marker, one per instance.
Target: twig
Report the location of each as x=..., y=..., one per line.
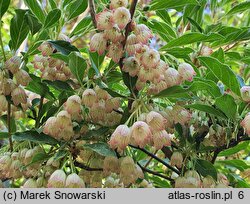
x=39, y=112
x=154, y=173
x=231, y=144
x=9, y=126
x=157, y=158
x=82, y=166
x=92, y=12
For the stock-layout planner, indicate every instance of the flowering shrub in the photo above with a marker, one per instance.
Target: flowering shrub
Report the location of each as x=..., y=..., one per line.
x=124, y=93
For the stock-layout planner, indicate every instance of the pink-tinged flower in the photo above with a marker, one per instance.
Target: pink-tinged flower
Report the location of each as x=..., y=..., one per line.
x=181, y=115
x=18, y=96
x=115, y=52
x=13, y=64
x=156, y=121
x=163, y=66
x=206, y=51
x=22, y=77
x=7, y=86
x=176, y=159
x=102, y=94
x=122, y=17
x=141, y=134
x=89, y=97
x=30, y=183
x=98, y=43
x=112, y=104
x=143, y=49
x=158, y=75
x=64, y=119
x=150, y=59
x=186, y=71
x=246, y=123
x=105, y=20
x=73, y=105
x=118, y=3
x=143, y=33
x=132, y=39
x=58, y=64
x=111, y=165
x=145, y=75
x=133, y=49
x=5, y=162
x=46, y=49
x=245, y=93
x=160, y=86
x=51, y=128
x=114, y=35
x=161, y=139
x=3, y=104
x=57, y=179
x=172, y=77
x=208, y=182
x=120, y=138
x=74, y=181
x=222, y=179
x=131, y=65
x=140, y=85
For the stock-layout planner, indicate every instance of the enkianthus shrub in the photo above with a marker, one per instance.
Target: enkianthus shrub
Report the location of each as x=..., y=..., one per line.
x=124, y=94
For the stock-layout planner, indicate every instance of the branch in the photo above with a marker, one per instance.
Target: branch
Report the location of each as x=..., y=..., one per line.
x=92, y=12
x=9, y=126
x=231, y=144
x=39, y=112
x=154, y=173
x=82, y=166
x=156, y=158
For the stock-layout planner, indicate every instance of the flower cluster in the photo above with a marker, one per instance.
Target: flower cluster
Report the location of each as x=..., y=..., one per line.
x=60, y=180
x=13, y=86
x=125, y=168
x=150, y=131
x=12, y=164
x=51, y=68
x=246, y=123
x=192, y=179
x=103, y=108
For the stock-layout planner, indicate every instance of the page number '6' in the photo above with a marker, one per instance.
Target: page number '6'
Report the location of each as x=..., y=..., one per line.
x=241, y=195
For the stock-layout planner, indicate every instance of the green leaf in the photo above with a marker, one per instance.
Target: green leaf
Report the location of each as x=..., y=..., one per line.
x=100, y=148
x=239, y=8
x=39, y=87
x=77, y=65
x=60, y=85
x=172, y=92
x=163, y=14
x=205, y=168
x=34, y=136
x=39, y=157
x=60, y=56
x=63, y=46
x=76, y=8
x=33, y=23
x=166, y=32
x=113, y=93
x=12, y=123
x=228, y=152
x=36, y=9
x=159, y=4
x=236, y=163
x=52, y=4
x=195, y=24
x=19, y=29
x=52, y=18
x=227, y=105
x=192, y=38
x=95, y=133
x=96, y=61
x=206, y=109
x=223, y=72
x=178, y=52
x=4, y=135
x=83, y=26
x=4, y=5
